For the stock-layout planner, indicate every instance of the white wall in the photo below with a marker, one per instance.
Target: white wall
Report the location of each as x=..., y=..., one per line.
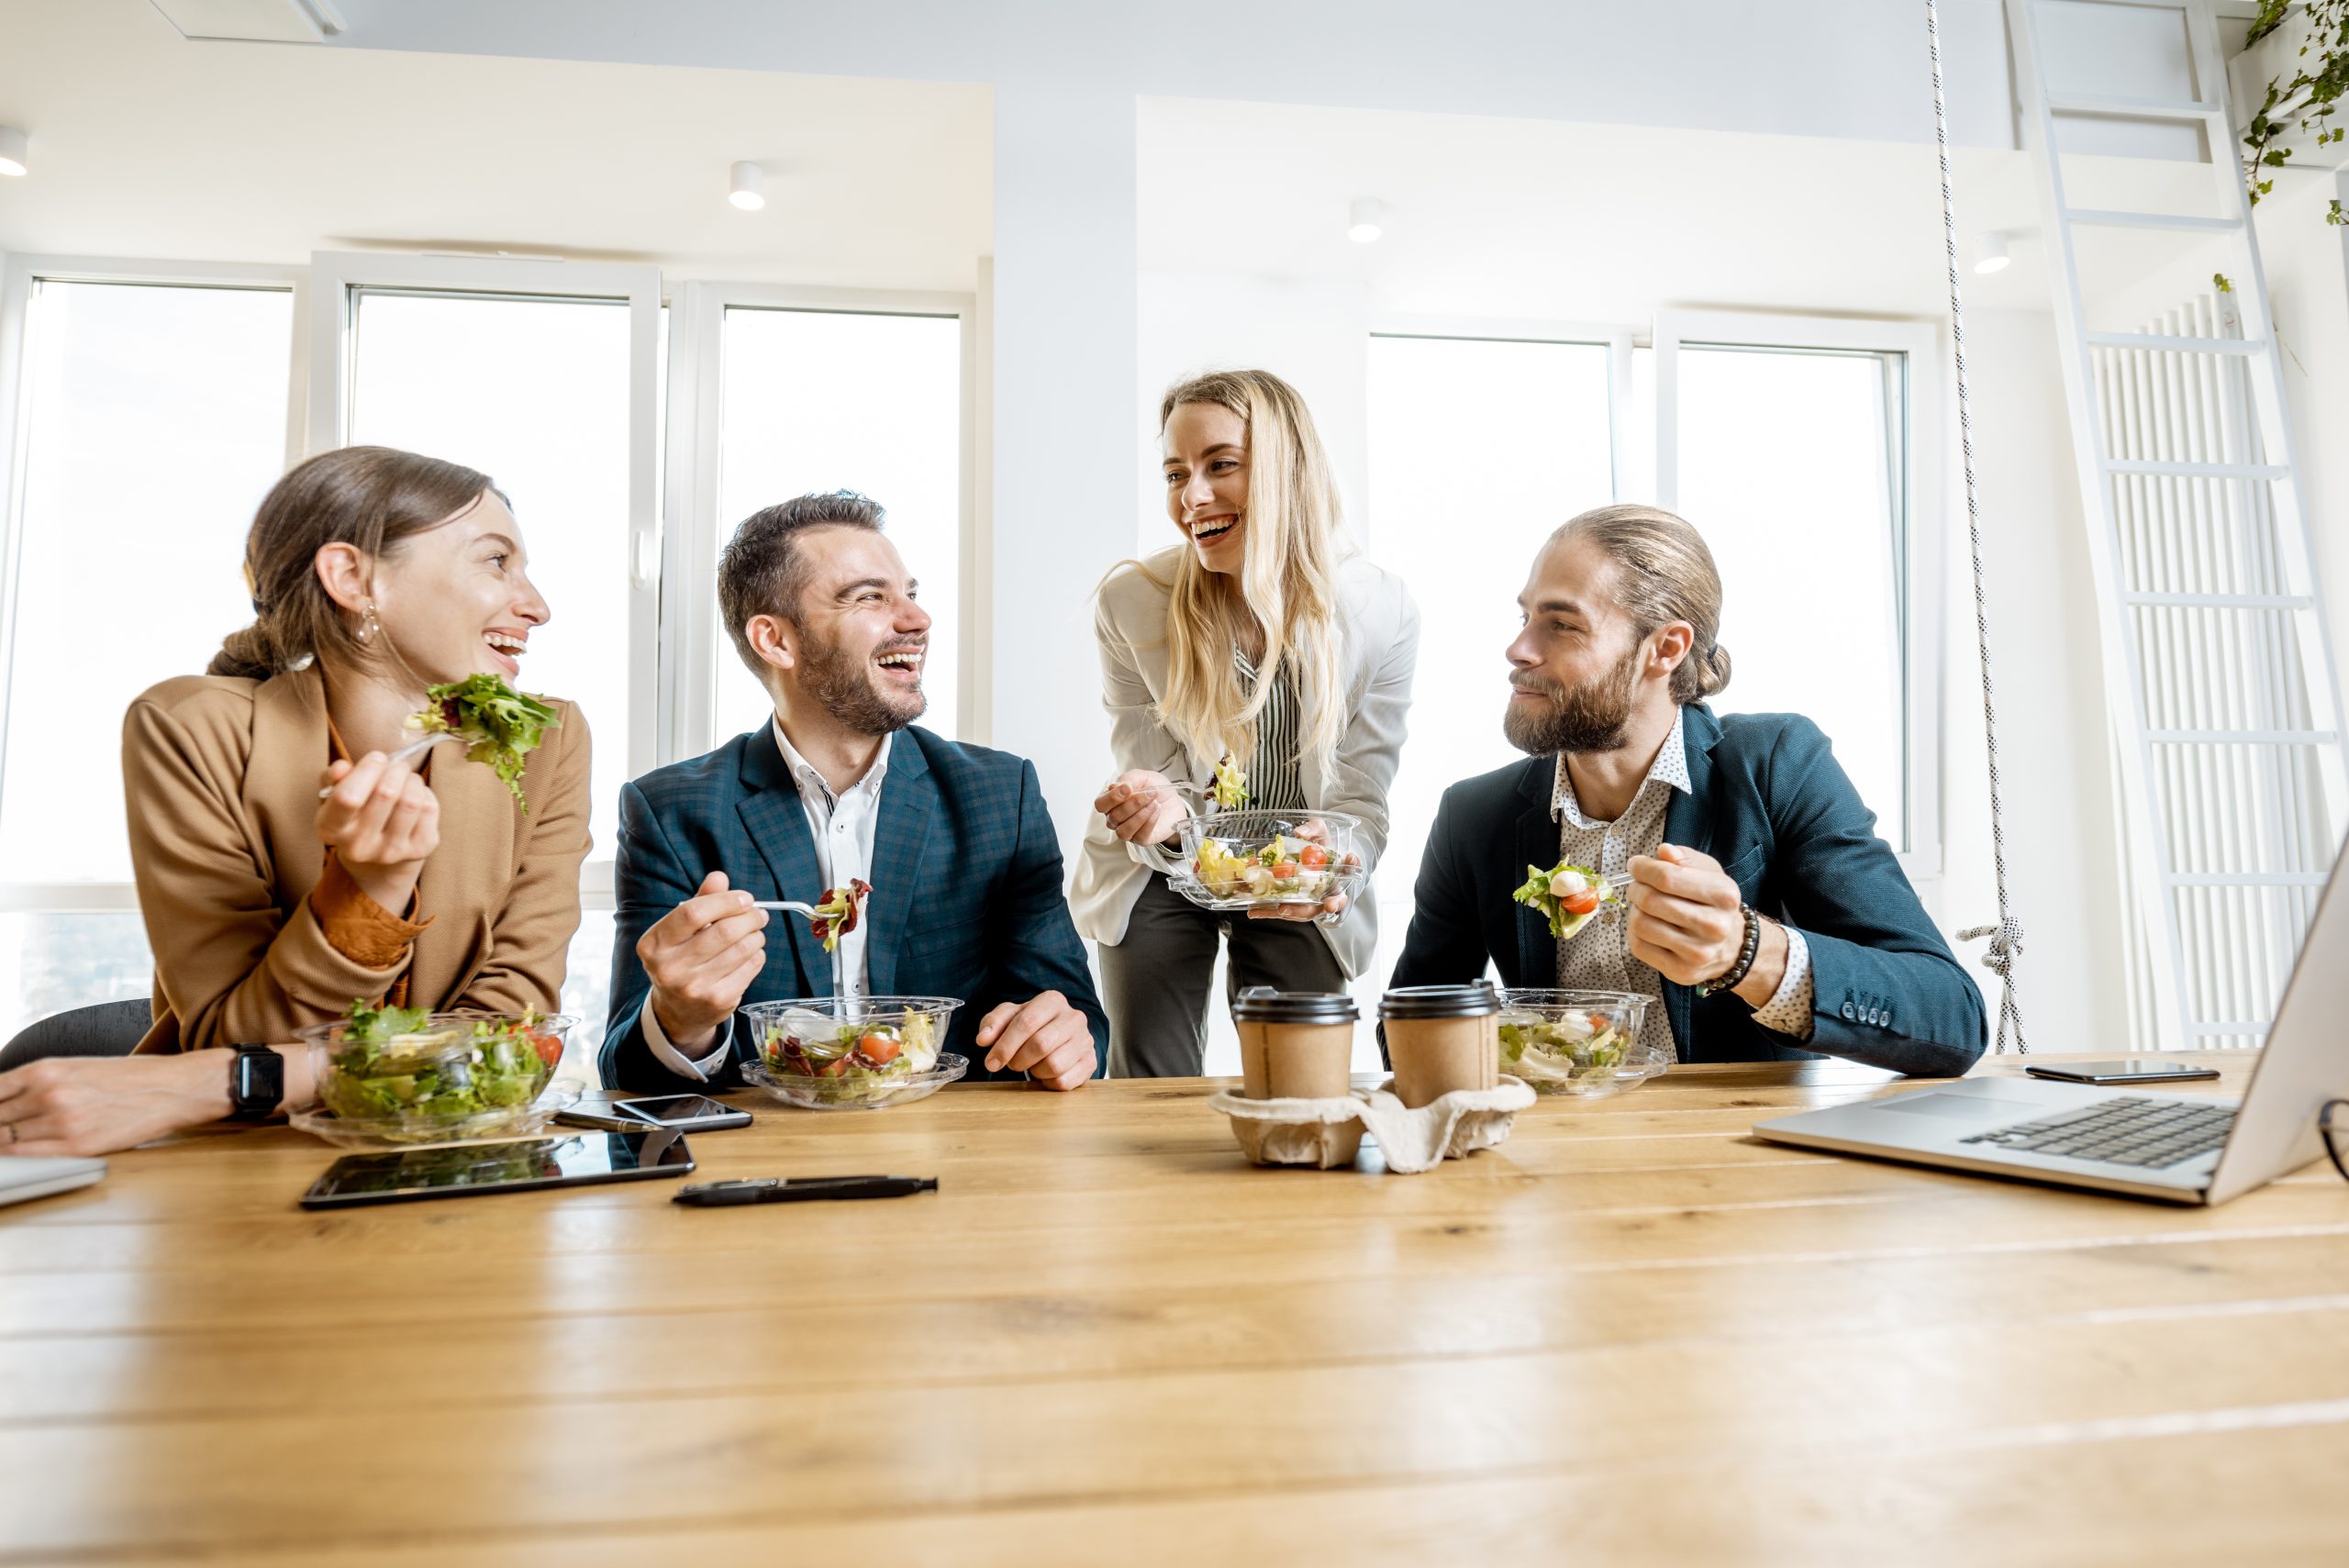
x=1314, y=333
x=1846, y=68
x=2062, y=860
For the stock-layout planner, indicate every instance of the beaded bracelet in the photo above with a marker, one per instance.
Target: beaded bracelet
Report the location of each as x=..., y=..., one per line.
x=1746, y=955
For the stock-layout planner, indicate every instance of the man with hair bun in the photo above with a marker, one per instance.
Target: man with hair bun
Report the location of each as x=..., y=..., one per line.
x=1764, y=916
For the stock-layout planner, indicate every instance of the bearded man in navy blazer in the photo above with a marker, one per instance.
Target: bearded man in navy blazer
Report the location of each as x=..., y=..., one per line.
x=1764, y=918
x=841, y=785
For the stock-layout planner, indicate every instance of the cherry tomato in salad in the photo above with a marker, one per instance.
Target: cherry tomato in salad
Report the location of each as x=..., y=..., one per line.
x=1283, y=870
x=549, y=1048
x=1313, y=856
x=1581, y=903
x=837, y=1067
x=878, y=1049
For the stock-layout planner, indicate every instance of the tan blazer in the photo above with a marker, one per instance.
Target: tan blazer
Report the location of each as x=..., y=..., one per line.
x=221, y=779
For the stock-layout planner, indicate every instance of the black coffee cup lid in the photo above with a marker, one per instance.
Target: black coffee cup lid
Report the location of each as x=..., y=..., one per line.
x=1439, y=1001
x=1262, y=1004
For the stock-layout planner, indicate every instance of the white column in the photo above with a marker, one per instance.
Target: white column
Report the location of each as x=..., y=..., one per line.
x=1065, y=443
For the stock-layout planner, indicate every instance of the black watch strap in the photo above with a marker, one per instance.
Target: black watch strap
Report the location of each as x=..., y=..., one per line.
x=256, y=1083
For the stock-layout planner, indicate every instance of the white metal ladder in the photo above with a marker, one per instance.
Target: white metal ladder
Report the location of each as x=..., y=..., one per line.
x=2226, y=716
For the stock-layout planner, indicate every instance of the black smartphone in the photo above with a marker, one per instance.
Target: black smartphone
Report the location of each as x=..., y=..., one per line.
x=577, y=1161
x=2150, y=1070
x=691, y=1113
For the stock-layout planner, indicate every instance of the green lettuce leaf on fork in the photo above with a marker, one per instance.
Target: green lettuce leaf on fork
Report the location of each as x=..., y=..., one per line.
x=498, y=724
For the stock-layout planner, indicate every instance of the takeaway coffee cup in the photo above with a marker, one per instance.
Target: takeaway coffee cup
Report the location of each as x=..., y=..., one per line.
x=1442, y=1038
x=1295, y=1045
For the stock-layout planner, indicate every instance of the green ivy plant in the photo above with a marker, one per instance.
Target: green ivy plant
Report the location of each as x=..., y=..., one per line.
x=2307, y=102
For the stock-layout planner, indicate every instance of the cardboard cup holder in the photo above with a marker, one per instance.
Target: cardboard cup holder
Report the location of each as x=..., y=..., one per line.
x=1327, y=1132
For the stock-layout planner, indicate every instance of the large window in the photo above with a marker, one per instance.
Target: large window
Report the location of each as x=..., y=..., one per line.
x=151, y=407
x=1791, y=443
x=155, y=421
x=533, y=391
x=1797, y=444
x=1788, y=464
x=152, y=418
x=828, y=400
x=1478, y=448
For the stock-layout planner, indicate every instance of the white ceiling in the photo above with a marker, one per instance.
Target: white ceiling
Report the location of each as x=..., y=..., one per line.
x=146, y=145
x=1539, y=220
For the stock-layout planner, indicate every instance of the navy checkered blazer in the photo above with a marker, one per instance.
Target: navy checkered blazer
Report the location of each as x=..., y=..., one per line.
x=966, y=887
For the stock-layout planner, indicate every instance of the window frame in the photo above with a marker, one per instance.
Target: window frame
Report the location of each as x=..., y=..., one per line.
x=337, y=276
x=1914, y=442
x=1913, y=464
x=695, y=533
x=18, y=279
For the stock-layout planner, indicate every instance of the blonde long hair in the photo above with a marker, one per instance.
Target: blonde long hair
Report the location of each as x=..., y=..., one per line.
x=1288, y=583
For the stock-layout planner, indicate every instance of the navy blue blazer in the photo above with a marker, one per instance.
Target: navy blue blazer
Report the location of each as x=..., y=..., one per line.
x=1769, y=801
x=966, y=887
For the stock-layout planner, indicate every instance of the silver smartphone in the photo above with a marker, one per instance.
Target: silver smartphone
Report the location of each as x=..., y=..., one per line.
x=689, y=1113
x=2151, y=1071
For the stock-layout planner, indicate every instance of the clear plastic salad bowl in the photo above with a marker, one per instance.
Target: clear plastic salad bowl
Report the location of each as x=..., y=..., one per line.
x=395, y=1077
x=853, y=1052
x=1576, y=1042
x=1239, y=860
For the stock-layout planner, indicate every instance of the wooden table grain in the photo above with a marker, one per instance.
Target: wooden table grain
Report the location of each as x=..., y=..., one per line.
x=1631, y=1334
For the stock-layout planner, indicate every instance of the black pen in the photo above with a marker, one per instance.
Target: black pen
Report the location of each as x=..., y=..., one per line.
x=804, y=1189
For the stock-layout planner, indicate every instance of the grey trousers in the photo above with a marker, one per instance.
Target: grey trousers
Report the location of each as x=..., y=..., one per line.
x=1155, y=983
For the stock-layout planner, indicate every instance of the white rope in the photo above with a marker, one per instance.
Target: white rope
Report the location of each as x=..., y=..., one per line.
x=2006, y=937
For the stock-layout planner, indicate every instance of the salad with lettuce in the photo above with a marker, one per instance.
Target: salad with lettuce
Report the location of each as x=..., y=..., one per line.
x=1289, y=868
x=397, y=1065
x=838, y=911
x=1569, y=897
x=868, y=1061
x=498, y=724
x=1229, y=788
x=1554, y=1053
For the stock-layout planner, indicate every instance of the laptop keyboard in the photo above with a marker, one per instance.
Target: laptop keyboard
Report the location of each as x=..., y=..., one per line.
x=2121, y=1131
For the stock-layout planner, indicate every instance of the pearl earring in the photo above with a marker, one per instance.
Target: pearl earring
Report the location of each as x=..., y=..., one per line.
x=368, y=627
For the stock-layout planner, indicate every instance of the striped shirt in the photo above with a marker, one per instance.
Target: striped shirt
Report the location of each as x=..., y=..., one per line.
x=1274, y=781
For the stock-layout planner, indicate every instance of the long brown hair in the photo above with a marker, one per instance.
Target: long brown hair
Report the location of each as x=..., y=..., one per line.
x=1287, y=583
x=375, y=498
x=1663, y=573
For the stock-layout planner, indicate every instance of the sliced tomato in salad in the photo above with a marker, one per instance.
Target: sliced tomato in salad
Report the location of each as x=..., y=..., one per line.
x=1581, y=903
x=1283, y=870
x=877, y=1048
x=1313, y=856
x=549, y=1047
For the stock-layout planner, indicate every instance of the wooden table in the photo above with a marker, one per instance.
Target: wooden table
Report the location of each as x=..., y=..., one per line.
x=1630, y=1334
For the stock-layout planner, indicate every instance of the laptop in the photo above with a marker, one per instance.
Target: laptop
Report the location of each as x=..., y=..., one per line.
x=2192, y=1149
x=32, y=1177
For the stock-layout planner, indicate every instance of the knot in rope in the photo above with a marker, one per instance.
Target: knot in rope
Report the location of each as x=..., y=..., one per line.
x=2005, y=943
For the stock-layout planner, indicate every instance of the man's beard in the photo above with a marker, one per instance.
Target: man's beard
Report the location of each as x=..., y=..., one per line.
x=1589, y=718
x=848, y=689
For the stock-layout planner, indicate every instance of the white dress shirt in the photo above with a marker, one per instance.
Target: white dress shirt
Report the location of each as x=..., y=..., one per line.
x=1599, y=956
x=842, y=826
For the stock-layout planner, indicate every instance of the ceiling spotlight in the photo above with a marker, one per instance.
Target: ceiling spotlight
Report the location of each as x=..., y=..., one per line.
x=1364, y=221
x=746, y=187
x=12, y=158
x=1991, y=252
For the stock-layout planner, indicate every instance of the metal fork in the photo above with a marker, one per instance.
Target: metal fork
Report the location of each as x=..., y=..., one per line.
x=404, y=754
x=788, y=905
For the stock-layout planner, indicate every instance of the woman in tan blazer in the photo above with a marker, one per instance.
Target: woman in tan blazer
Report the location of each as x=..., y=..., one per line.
x=271, y=904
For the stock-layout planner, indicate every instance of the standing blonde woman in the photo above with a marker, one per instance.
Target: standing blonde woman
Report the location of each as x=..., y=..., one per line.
x=1260, y=637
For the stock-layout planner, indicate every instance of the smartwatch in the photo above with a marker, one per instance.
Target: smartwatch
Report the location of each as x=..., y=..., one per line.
x=256, y=1083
